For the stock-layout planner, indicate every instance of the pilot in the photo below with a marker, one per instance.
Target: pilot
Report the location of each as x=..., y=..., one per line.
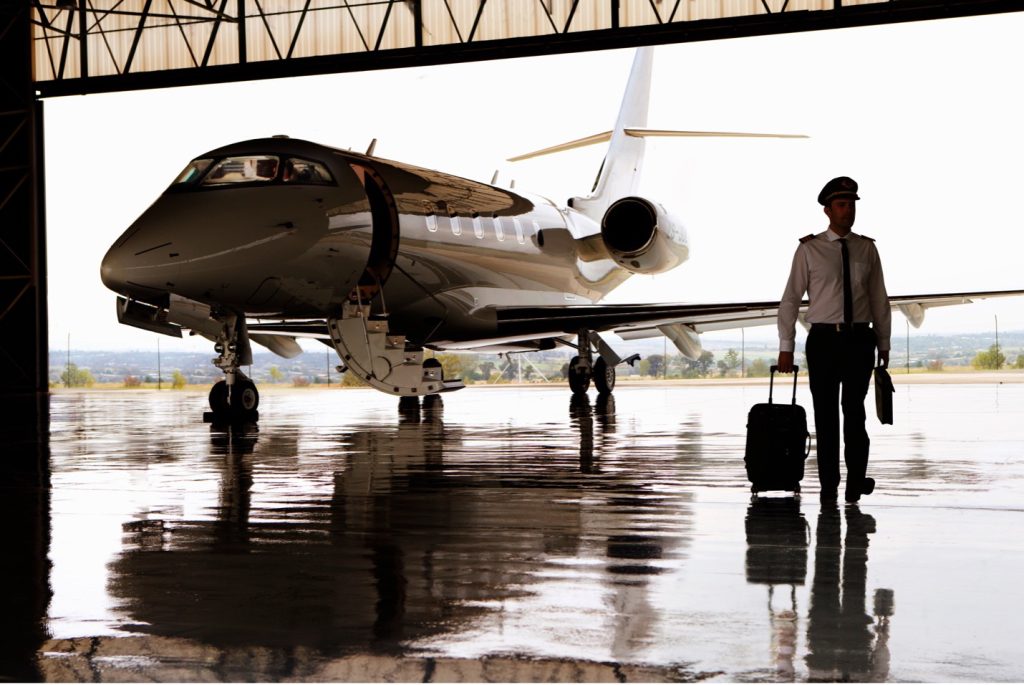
x=849, y=317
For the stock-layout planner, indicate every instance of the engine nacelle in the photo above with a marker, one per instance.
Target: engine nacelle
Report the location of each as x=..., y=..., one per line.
x=643, y=237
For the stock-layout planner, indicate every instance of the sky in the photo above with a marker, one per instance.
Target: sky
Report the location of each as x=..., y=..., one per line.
x=925, y=116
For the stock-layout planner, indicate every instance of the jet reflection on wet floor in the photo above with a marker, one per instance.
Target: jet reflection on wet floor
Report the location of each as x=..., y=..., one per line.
x=508, y=535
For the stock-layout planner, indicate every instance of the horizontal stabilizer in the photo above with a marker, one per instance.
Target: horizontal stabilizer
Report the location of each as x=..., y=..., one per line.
x=646, y=133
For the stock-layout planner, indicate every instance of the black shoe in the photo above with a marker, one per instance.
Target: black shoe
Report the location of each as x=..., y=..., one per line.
x=867, y=486
x=829, y=496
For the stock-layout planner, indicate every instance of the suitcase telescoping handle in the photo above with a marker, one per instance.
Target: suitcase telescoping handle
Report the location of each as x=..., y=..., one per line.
x=771, y=382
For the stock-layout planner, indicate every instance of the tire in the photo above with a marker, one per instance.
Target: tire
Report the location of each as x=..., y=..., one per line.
x=245, y=398
x=219, y=398
x=604, y=377
x=579, y=382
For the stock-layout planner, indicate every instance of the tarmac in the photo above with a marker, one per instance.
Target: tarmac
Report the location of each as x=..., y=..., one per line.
x=512, y=534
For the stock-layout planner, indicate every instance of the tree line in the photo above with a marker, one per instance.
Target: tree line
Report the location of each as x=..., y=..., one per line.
x=473, y=368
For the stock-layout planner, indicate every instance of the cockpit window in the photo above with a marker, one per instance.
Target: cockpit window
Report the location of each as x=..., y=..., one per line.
x=305, y=171
x=248, y=169
x=193, y=171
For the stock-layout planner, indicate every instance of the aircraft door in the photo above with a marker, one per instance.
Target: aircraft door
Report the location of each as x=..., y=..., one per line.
x=384, y=245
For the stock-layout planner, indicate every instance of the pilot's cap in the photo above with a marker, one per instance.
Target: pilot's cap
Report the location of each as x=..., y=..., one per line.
x=842, y=186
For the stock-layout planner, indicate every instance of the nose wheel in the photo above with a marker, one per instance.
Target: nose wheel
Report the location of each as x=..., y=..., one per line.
x=244, y=400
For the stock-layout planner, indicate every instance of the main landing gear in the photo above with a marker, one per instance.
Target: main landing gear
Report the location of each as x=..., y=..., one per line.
x=583, y=368
x=234, y=399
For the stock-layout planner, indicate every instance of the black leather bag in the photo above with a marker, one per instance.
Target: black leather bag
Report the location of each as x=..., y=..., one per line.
x=883, y=395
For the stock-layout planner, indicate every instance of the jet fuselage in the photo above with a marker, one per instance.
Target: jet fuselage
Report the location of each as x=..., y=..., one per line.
x=241, y=230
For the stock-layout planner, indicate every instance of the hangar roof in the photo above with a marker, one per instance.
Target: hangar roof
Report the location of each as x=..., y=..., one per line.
x=101, y=45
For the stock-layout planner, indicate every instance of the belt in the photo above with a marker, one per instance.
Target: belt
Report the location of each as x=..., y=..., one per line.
x=841, y=327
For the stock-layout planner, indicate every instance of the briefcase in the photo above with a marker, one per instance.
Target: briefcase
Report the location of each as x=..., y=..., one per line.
x=883, y=395
x=777, y=443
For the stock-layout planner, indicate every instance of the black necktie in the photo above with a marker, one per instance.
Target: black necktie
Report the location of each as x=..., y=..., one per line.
x=847, y=285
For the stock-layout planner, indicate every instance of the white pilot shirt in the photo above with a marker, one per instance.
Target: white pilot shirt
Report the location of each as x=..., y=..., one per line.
x=818, y=271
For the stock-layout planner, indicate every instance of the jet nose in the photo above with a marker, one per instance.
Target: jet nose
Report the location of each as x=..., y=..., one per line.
x=112, y=269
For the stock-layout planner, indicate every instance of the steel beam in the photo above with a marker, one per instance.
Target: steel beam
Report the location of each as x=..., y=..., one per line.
x=467, y=50
x=24, y=398
x=23, y=326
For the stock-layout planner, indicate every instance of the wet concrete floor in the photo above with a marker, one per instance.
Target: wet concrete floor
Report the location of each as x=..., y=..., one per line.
x=514, y=535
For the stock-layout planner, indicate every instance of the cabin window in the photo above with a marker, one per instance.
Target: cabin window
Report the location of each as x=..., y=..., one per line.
x=432, y=223
x=193, y=171
x=519, y=230
x=478, y=226
x=456, y=226
x=306, y=172
x=248, y=169
x=499, y=232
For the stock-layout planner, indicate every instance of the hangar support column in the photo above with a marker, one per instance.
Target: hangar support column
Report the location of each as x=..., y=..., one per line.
x=23, y=326
x=24, y=400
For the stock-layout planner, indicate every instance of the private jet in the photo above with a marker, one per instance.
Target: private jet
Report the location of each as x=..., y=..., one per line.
x=269, y=240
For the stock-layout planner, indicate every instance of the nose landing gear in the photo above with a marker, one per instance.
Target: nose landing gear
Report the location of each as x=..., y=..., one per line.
x=234, y=399
x=239, y=400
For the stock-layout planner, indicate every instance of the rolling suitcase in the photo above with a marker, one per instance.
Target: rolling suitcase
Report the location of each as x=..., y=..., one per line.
x=777, y=443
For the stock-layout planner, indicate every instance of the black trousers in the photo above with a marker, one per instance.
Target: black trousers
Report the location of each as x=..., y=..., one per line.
x=839, y=364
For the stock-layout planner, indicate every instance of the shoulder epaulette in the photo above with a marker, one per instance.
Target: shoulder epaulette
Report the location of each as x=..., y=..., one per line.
x=809, y=236
x=867, y=238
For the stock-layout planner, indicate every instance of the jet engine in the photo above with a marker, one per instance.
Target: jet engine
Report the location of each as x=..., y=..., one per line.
x=643, y=237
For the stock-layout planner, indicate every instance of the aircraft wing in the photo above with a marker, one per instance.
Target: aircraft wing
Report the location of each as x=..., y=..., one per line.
x=633, y=321
x=680, y=322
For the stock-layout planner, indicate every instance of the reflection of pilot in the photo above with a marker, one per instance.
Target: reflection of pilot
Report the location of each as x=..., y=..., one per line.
x=777, y=540
x=840, y=642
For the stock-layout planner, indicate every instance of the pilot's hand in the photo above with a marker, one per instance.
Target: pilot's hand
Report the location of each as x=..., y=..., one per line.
x=786, y=362
x=883, y=358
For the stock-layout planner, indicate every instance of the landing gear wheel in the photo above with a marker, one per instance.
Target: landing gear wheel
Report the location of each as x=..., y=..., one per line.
x=409, y=409
x=219, y=398
x=244, y=397
x=579, y=381
x=244, y=400
x=604, y=377
x=408, y=403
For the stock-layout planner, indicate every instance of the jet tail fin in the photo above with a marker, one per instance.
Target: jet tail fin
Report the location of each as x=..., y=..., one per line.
x=619, y=174
x=620, y=171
